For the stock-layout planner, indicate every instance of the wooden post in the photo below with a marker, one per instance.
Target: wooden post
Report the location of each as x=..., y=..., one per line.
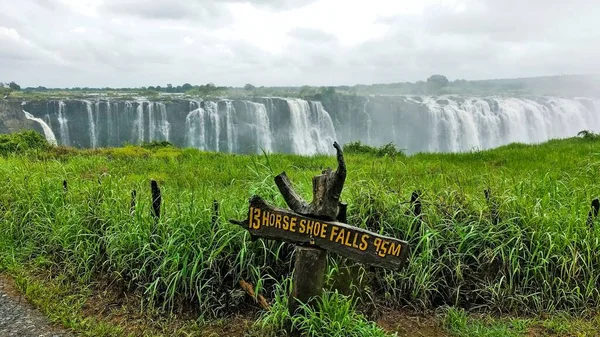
x=343, y=213
x=594, y=208
x=156, y=200
x=309, y=275
x=132, y=204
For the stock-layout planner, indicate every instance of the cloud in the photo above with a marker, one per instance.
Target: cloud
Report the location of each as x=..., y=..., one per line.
x=312, y=35
x=268, y=42
x=276, y=4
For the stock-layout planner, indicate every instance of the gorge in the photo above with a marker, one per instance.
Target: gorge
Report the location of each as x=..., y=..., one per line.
x=292, y=125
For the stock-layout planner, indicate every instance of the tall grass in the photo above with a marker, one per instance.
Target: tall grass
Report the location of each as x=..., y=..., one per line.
x=526, y=249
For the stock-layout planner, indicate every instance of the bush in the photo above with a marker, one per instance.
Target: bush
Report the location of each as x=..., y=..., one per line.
x=588, y=135
x=333, y=315
x=387, y=150
x=153, y=145
x=22, y=142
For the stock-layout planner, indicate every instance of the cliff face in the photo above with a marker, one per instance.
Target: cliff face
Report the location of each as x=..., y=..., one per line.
x=413, y=123
x=12, y=118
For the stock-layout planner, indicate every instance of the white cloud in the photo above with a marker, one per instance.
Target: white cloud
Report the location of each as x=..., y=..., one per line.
x=79, y=30
x=293, y=42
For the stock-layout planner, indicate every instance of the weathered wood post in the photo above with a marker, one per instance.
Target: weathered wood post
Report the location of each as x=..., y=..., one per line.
x=343, y=213
x=309, y=268
x=593, y=213
x=156, y=200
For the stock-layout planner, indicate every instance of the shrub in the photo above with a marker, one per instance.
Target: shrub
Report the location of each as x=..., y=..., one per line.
x=22, y=142
x=387, y=150
x=588, y=135
x=155, y=144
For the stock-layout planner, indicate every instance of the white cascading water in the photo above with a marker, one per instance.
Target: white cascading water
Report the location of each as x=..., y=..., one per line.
x=311, y=127
x=475, y=123
x=109, y=122
x=164, y=127
x=92, y=125
x=47, y=120
x=261, y=125
x=151, y=124
x=48, y=134
x=415, y=123
x=231, y=139
x=138, y=125
x=63, y=124
x=200, y=123
x=369, y=121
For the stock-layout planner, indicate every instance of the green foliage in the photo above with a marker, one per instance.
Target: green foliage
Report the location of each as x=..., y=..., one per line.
x=22, y=142
x=155, y=144
x=206, y=90
x=14, y=86
x=4, y=91
x=333, y=315
x=387, y=150
x=527, y=249
x=588, y=135
x=439, y=81
x=459, y=324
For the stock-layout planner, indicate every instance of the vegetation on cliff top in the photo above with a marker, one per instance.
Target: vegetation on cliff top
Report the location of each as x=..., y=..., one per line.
x=564, y=85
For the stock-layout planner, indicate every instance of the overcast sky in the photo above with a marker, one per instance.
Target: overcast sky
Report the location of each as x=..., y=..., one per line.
x=119, y=43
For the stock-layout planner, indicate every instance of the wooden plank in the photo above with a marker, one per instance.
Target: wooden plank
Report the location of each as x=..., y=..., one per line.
x=270, y=222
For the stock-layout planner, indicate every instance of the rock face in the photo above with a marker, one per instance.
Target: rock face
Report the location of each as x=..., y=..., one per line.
x=12, y=118
x=413, y=123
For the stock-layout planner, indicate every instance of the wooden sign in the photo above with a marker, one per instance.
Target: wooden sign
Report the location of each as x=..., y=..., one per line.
x=269, y=222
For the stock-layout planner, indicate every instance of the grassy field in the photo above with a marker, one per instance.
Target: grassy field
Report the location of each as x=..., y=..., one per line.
x=526, y=250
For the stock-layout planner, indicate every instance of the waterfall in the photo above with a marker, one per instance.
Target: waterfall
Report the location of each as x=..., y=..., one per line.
x=476, y=123
x=151, y=123
x=202, y=126
x=164, y=127
x=312, y=129
x=446, y=123
x=109, y=124
x=50, y=137
x=229, y=113
x=369, y=121
x=139, y=123
x=63, y=125
x=261, y=126
x=92, y=124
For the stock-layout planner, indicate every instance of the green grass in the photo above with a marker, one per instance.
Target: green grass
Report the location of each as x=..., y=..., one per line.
x=526, y=250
